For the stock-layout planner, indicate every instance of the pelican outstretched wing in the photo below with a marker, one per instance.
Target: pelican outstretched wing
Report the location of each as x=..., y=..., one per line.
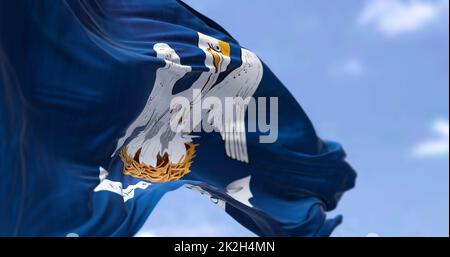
x=240, y=84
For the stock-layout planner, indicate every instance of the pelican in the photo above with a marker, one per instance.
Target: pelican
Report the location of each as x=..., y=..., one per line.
x=151, y=144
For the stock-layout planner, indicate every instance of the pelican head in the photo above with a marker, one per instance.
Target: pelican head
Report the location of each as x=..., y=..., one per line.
x=218, y=58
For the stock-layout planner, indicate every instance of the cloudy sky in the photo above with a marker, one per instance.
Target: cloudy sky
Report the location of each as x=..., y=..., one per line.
x=372, y=75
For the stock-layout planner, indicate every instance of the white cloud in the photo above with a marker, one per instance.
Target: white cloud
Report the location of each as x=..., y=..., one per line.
x=146, y=234
x=393, y=17
x=352, y=67
x=437, y=146
x=208, y=230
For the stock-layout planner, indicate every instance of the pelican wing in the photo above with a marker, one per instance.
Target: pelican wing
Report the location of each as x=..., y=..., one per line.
x=240, y=84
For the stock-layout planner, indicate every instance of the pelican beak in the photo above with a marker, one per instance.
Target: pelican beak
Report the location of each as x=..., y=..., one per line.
x=217, y=61
x=218, y=57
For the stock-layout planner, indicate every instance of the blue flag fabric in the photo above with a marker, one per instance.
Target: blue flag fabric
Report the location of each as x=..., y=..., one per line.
x=82, y=82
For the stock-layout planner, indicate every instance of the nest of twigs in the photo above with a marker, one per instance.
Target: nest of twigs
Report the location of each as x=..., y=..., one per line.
x=164, y=171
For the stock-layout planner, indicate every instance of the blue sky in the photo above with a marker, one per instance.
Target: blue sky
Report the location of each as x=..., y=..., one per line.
x=371, y=74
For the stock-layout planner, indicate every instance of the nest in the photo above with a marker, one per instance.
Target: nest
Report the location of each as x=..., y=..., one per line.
x=164, y=171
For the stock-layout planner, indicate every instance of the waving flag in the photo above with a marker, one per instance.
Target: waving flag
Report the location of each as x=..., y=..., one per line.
x=92, y=137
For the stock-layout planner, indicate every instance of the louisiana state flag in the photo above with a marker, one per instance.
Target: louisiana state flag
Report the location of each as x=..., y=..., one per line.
x=91, y=136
